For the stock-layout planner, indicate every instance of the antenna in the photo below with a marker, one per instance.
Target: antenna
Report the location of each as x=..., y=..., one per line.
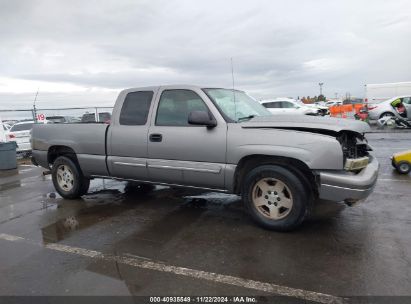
x=232, y=76
x=34, y=106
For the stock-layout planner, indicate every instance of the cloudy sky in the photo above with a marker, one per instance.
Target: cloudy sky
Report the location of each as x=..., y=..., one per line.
x=84, y=52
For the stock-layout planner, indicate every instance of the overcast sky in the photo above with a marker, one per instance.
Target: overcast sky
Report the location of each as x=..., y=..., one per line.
x=84, y=52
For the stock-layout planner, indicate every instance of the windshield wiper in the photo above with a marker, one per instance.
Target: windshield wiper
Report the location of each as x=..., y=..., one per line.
x=245, y=118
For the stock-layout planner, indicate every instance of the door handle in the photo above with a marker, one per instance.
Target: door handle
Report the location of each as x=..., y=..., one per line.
x=156, y=137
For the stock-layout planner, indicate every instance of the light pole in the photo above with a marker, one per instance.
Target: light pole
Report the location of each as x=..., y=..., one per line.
x=321, y=88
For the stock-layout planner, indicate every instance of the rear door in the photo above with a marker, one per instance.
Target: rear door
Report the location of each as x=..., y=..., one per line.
x=127, y=138
x=185, y=154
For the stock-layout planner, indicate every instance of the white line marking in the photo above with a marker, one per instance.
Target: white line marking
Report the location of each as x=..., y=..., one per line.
x=394, y=180
x=187, y=272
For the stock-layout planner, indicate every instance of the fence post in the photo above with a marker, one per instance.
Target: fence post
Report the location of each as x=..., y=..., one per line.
x=97, y=118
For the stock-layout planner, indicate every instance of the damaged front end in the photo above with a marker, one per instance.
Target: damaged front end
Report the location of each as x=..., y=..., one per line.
x=360, y=173
x=355, y=150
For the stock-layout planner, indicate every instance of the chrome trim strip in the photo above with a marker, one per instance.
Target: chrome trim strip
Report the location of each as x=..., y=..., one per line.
x=215, y=171
x=129, y=164
x=158, y=183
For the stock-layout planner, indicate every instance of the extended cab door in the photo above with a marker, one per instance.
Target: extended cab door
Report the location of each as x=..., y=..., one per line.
x=127, y=138
x=185, y=154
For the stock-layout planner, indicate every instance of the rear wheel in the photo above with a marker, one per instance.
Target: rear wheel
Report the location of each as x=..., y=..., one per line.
x=403, y=167
x=68, y=179
x=275, y=198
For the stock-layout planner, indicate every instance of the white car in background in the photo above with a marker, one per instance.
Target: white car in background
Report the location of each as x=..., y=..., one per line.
x=20, y=132
x=332, y=103
x=288, y=106
x=380, y=109
x=320, y=106
x=4, y=129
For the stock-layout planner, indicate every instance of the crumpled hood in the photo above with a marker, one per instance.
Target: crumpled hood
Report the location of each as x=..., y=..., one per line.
x=306, y=122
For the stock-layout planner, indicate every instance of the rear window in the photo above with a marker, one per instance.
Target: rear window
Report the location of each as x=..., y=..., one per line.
x=22, y=127
x=135, y=108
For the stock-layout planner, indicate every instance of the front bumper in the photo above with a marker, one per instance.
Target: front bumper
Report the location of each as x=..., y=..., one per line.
x=348, y=186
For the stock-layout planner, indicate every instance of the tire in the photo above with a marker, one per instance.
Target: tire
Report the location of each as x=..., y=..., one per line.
x=387, y=114
x=276, y=198
x=403, y=167
x=68, y=179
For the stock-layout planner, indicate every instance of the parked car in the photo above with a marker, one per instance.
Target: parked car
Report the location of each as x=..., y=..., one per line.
x=322, y=109
x=4, y=129
x=216, y=139
x=288, y=106
x=91, y=117
x=401, y=161
x=62, y=119
x=384, y=108
x=20, y=133
x=332, y=103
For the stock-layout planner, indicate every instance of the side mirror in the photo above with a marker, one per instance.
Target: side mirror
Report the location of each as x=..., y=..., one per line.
x=201, y=118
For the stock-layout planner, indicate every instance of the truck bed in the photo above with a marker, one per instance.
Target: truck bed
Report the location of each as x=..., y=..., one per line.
x=87, y=140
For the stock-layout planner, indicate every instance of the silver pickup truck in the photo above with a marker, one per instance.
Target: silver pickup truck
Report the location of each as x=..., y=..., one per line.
x=215, y=139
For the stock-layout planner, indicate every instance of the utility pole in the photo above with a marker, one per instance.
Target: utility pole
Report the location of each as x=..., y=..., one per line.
x=321, y=87
x=34, y=107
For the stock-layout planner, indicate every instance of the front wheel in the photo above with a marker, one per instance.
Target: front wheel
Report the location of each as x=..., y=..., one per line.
x=68, y=178
x=403, y=167
x=275, y=197
x=387, y=114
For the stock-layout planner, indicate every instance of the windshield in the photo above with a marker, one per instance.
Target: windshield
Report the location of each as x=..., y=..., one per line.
x=236, y=105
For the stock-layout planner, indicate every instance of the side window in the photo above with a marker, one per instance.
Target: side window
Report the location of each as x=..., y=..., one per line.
x=271, y=105
x=135, y=108
x=175, y=105
x=286, y=104
x=406, y=100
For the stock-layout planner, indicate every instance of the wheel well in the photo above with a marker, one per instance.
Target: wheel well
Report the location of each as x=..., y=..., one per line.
x=56, y=151
x=296, y=166
x=387, y=112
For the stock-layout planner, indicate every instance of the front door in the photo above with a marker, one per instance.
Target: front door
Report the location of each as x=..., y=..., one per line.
x=185, y=154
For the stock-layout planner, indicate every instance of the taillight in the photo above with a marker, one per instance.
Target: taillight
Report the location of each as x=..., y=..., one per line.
x=11, y=136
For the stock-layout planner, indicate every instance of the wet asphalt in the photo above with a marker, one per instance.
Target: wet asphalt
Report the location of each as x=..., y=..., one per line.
x=340, y=251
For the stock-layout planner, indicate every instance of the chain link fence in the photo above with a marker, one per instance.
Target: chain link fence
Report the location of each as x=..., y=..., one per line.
x=57, y=115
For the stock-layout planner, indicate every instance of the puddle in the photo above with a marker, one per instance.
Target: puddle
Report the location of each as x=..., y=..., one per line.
x=82, y=219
